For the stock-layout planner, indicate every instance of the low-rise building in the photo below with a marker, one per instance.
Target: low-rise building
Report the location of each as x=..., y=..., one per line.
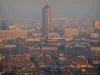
x=2, y=57
x=96, y=55
x=71, y=32
x=95, y=35
x=78, y=61
x=97, y=24
x=8, y=34
x=89, y=30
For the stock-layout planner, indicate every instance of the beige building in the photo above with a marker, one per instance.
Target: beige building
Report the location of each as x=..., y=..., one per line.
x=8, y=34
x=36, y=34
x=53, y=36
x=32, y=39
x=2, y=57
x=96, y=55
x=95, y=35
x=89, y=30
x=97, y=24
x=71, y=32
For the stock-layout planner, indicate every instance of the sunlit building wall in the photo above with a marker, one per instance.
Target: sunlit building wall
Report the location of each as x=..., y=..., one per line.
x=89, y=30
x=8, y=34
x=97, y=24
x=95, y=35
x=96, y=55
x=71, y=32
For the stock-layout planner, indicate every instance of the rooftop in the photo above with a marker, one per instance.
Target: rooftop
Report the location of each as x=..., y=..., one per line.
x=46, y=6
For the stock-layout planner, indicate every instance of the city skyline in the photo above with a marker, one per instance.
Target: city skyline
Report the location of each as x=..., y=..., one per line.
x=49, y=37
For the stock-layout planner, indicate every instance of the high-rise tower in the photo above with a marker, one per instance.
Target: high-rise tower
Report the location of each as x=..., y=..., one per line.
x=46, y=20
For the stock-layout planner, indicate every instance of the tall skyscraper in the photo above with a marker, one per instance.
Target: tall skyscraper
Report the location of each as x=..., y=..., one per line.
x=46, y=20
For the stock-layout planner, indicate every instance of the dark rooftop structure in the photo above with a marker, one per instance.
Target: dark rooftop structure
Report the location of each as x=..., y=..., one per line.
x=46, y=6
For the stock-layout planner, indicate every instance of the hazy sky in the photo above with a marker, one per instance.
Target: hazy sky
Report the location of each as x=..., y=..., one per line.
x=31, y=9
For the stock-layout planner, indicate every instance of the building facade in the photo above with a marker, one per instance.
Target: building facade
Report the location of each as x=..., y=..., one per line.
x=4, y=24
x=71, y=32
x=8, y=34
x=95, y=35
x=46, y=20
x=96, y=55
x=97, y=24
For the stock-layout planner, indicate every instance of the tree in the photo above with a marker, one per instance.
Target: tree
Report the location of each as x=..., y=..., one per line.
x=61, y=48
x=54, y=58
x=45, y=40
x=33, y=60
x=20, y=39
x=40, y=45
x=36, y=70
x=84, y=35
x=1, y=66
x=9, y=41
x=30, y=34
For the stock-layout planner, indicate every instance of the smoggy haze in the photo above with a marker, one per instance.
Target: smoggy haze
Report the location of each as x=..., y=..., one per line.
x=31, y=9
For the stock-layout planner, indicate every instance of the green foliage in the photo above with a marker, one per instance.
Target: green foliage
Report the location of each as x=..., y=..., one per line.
x=82, y=35
x=46, y=40
x=61, y=47
x=33, y=60
x=20, y=39
x=54, y=58
x=9, y=41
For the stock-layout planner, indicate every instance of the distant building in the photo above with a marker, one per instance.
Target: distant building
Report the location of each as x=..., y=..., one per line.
x=97, y=31
x=79, y=61
x=36, y=34
x=89, y=30
x=47, y=59
x=95, y=35
x=76, y=51
x=71, y=32
x=9, y=34
x=4, y=25
x=97, y=25
x=46, y=20
x=53, y=36
x=2, y=57
x=13, y=27
x=96, y=55
x=32, y=40
x=16, y=60
x=82, y=30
